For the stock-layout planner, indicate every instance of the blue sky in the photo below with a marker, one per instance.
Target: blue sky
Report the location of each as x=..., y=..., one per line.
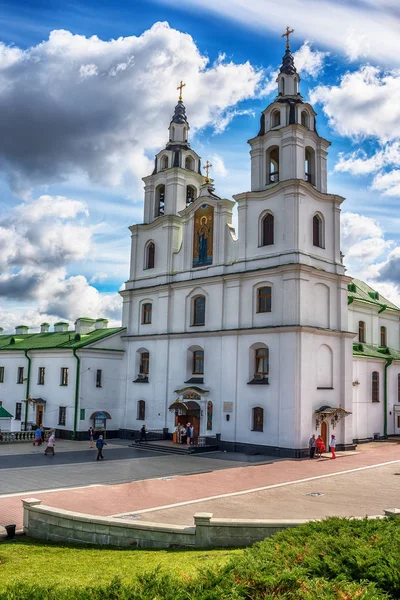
x=81, y=118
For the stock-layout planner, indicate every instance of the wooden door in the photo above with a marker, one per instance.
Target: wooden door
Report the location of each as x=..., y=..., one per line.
x=196, y=426
x=39, y=415
x=324, y=433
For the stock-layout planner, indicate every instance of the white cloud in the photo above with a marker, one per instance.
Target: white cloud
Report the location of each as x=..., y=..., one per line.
x=98, y=108
x=308, y=61
x=327, y=22
x=218, y=165
x=363, y=105
x=388, y=183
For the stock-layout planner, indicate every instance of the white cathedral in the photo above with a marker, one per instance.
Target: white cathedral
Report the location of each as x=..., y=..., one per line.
x=258, y=338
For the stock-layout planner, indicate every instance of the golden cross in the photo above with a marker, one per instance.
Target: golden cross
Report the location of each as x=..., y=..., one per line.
x=207, y=167
x=180, y=88
x=286, y=35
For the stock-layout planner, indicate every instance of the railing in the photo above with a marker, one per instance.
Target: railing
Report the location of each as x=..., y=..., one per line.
x=7, y=437
x=153, y=435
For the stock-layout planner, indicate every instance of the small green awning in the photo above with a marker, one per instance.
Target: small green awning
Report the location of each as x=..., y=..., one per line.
x=4, y=414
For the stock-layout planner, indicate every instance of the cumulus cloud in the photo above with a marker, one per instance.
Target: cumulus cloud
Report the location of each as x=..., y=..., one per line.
x=98, y=107
x=37, y=240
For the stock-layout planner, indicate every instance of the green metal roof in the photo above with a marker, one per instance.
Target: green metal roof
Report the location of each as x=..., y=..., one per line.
x=54, y=339
x=358, y=290
x=4, y=414
x=369, y=351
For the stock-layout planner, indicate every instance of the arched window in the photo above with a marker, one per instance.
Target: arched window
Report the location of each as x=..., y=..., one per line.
x=261, y=366
x=144, y=363
x=258, y=419
x=318, y=231
x=164, y=162
x=190, y=194
x=264, y=299
x=309, y=165
x=141, y=410
x=199, y=310
x=383, y=337
x=160, y=200
x=267, y=234
x=273, y=165
x=361, y=332
x=146, y=313
x=305, y=119
x=375, y=386
x=198, y=362
x=276, y=118
x=189, y=163
x=150, y=256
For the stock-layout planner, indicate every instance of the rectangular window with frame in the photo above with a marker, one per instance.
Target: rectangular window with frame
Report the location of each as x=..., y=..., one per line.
x=20, y=375
x=41, y=372
x=375, y=386
x=82, y=414
x=258, y=419
x=64, y=376
x=18, y=411
x=98, y=378
x=199, y=311
x=264, y=303
x=62, y=415
x=144, y=363
x=261, y=361
x=198, y=362
x=146, y=313
x=1, y=374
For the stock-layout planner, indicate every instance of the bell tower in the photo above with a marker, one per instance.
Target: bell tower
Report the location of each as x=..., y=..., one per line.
x=288, y=145
x=176, y=178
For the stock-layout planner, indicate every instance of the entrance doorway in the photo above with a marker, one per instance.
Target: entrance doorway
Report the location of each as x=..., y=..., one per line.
x=39, y=415
x=324, y=433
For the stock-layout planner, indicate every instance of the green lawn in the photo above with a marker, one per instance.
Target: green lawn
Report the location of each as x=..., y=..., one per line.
x=45, y=563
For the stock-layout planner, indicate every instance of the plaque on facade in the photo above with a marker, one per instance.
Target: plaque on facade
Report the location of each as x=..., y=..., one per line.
x=228, y=407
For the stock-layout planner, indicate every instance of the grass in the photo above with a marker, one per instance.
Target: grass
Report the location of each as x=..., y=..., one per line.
x=30, y=561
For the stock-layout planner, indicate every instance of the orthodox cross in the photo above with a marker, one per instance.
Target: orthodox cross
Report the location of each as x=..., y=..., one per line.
x=207, y=167
x=286, y=35
x=180, y=88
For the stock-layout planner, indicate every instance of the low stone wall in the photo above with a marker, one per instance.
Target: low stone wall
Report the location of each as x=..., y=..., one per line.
x=45, y=522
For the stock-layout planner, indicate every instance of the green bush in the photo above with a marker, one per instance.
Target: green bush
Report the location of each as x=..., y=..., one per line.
x=337, y=559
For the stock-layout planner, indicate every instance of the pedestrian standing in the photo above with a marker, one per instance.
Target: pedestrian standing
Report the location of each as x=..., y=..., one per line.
x=50, y=445
x=188, y=430
x=192, y=435
x=333, y=446
x=143, y=434
x=91, y=437
x=320, y=447
x=100, y=443
x=311, y=445
x=38, y=437
x=42, y=433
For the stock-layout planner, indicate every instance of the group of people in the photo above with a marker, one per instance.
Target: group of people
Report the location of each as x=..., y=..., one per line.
x=39, y=440
x=185, y=434
x=317, y=446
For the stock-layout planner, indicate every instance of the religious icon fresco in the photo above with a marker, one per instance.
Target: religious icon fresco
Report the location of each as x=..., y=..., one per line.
x=203, y=236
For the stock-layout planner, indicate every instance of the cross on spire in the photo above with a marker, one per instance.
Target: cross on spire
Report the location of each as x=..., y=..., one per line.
x=180, y=88
x=207, y=167
x=286, y=35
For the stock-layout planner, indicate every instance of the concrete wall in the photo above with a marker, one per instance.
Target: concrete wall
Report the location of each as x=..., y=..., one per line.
x=45, y=522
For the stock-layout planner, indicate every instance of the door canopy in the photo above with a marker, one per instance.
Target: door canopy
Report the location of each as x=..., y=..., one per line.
x=334, y=414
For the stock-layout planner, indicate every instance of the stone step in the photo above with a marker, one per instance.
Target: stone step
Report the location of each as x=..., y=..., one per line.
x=174, y=449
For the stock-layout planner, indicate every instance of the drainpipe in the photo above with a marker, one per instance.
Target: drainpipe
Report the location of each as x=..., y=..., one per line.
x=78, y=370
x=28, y=381
x=385, y=400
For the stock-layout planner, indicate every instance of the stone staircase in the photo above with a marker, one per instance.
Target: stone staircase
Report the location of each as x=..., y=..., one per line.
x=169, y=448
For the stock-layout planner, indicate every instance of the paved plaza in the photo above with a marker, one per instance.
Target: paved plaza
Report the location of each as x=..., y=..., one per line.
x=166, y=488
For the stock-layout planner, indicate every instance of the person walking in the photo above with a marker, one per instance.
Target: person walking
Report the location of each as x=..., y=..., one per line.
x=50, y=445
x=143, y=434
x=332, y=446
x=42, y=433
x=100, y=443
x=311, y=445
x=38, y=437
x=320, y=447
x=188, y=432
x=91, y=437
